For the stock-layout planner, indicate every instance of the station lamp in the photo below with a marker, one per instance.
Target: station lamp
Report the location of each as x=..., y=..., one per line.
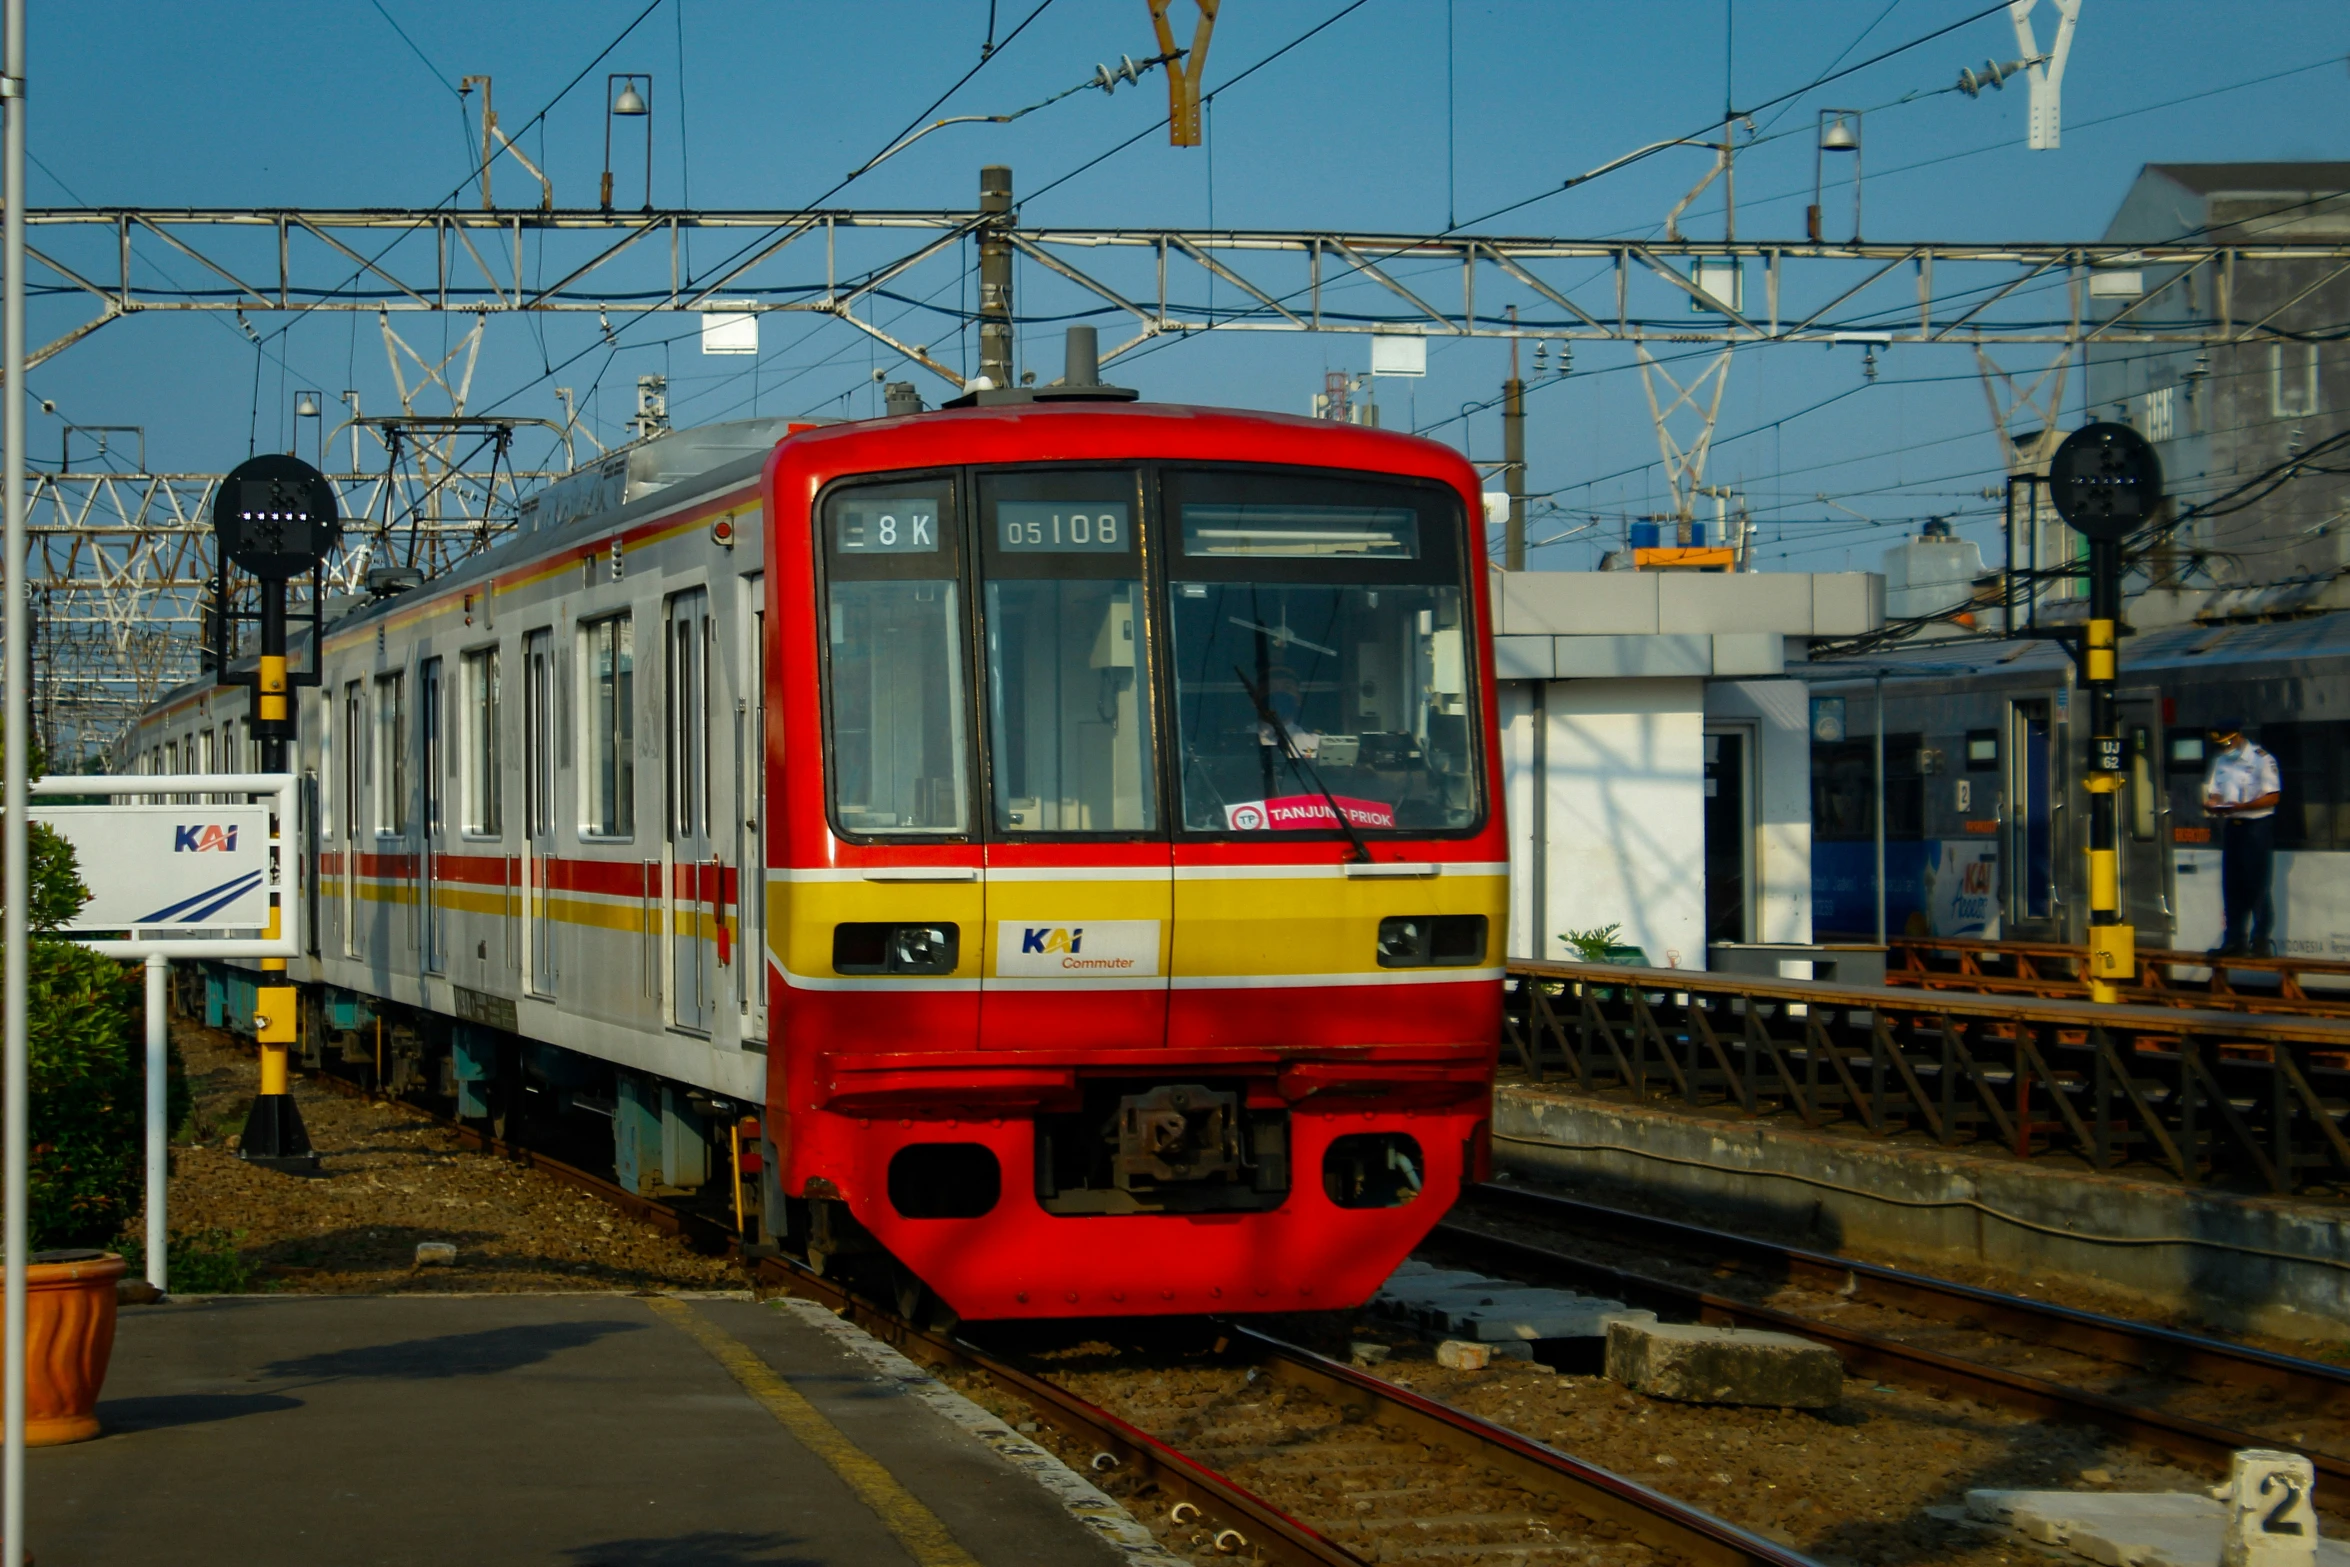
x=623, y=100
x=1839, y=131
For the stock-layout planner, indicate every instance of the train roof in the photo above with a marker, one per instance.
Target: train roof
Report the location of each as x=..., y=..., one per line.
x=2308, y=640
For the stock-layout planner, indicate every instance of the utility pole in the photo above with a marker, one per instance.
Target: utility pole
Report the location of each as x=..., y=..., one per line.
x=2106, y=482
x=995, y=275
x=1513, y=457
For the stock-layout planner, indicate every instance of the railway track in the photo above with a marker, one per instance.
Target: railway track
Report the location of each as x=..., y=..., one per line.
x=2135, y=1353
x=1589, y=1506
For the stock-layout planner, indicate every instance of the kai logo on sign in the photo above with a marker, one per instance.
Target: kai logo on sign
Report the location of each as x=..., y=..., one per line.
x=203, y=838
x=1061, y=949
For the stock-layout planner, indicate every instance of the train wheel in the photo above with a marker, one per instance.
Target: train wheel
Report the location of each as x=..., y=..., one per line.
x=917, y=1302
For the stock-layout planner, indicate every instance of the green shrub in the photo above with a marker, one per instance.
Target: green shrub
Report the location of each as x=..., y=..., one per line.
x=1592, y=945
x=203, y=1262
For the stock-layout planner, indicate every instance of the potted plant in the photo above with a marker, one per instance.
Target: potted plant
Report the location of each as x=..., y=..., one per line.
x=68, y=1339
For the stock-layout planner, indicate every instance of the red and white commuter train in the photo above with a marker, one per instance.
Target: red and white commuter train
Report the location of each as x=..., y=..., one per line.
x=1052, y=844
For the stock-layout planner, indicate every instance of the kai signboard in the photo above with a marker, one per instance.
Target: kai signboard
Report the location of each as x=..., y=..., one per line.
x=165, y=868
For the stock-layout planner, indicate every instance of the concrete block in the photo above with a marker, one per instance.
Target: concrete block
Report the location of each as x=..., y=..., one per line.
x=2132, y=1528
x=1498, y=1311
x=1637, y=657
x=1463, y=1355
x=1695, y=1364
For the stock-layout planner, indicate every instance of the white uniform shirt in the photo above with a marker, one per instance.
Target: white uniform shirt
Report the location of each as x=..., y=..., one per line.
x=2245, y=773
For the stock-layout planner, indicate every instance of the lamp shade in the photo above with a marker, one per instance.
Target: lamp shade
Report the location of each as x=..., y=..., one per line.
x=1840, y=135
x=630, y=100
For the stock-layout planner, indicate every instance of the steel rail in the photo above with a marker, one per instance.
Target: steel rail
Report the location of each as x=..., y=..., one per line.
x=2143, y=1345
x=1674, y=1528
x=1876, y=1355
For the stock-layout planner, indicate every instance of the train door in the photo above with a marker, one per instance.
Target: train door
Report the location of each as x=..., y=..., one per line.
x=538, y=789
x=1080, y=865
x=1729, y=834
x=750, y=813
x=428, y=837
x=2034, y=905
x=695, y=905
x=2145, y=822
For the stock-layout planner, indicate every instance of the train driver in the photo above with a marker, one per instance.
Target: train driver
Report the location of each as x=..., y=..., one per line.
x=2241, y=791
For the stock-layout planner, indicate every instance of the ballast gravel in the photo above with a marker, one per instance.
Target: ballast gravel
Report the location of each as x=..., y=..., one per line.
x=393, y=1181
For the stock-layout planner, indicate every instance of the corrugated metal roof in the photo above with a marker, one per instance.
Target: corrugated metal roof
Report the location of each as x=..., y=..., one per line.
x=2171, y=648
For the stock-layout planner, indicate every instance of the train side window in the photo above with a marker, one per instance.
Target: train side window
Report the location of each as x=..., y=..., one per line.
x=428, y=728
x=1068, y=678
x=899, y=743
x=2313, y=768
x=2186, y=754
x=391, y=759
x=354, y=752
x=608, y=739
x=2145, y=801
x=538, y=734
x=484, y=760
x=1982, y=750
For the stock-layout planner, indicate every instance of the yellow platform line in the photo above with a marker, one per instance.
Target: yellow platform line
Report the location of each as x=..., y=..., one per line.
x=916, y=1526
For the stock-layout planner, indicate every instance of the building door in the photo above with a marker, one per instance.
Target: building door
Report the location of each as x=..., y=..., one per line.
x=2034, y=904
x=2145, y=823
x=1729, y=836
x=538, y=780
x=695, y=901
x=428, y=722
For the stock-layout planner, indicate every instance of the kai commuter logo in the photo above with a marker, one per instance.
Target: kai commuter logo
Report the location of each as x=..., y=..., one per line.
x=1048, y=949
x=203, y=838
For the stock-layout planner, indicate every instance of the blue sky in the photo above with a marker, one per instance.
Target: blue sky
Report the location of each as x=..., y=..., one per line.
x=1400, y=116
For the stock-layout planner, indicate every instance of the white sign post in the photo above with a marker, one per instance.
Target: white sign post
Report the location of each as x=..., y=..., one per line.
x=190, y=881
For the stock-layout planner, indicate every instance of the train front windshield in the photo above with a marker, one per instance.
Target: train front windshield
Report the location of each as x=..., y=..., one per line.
x=1320, y=655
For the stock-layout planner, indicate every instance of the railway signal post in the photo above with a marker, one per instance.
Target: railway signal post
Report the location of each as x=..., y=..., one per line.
x=2106, y=482
x=276, y=517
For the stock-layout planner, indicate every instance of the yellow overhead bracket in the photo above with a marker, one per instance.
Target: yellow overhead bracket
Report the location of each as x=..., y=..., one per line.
x=1183, y=71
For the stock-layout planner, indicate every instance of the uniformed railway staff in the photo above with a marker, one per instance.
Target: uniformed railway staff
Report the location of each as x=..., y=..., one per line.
x=2240, y=791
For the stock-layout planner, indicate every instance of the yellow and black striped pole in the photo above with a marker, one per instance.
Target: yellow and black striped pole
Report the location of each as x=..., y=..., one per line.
x=2106, y=483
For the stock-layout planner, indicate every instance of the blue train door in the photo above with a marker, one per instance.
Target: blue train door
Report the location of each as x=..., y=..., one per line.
x=2033, y=902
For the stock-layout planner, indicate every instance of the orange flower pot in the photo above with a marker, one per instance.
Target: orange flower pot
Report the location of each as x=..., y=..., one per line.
x=69, y=1337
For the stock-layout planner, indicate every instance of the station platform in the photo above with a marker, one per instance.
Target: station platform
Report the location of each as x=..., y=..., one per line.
x=569, y=1430
x=2277, y=1266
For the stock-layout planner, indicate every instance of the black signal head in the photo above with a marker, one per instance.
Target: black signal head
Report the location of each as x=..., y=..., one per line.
x=276, y=516
x=2105, y=481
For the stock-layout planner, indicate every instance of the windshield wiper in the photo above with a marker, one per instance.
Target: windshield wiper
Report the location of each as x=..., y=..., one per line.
x=1299, y=765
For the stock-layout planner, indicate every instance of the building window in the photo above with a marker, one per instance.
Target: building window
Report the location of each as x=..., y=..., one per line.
x=2158, y=422
x=391, y=755
x=608, y=738
x=484, y=764
x=2292, y=380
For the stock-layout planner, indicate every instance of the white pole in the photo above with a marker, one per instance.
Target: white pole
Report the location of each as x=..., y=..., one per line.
x=13, y=885
x=158, y=1151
